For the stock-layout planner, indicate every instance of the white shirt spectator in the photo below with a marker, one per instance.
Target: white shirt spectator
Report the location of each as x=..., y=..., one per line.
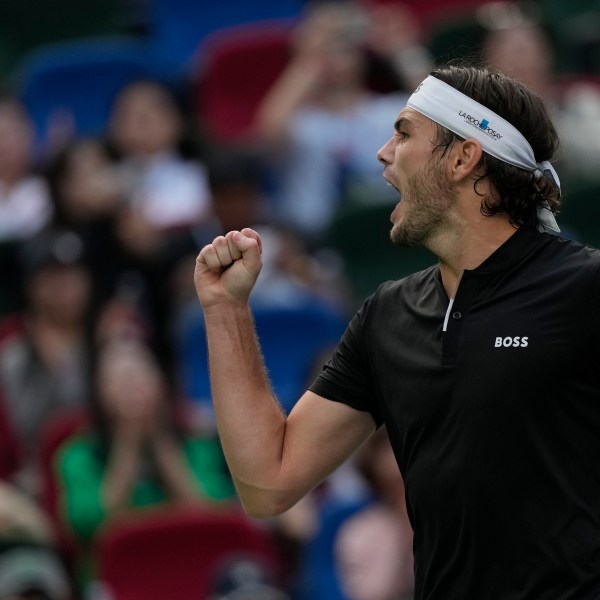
x=330, y=152
x=25, y=208
x=169, y=191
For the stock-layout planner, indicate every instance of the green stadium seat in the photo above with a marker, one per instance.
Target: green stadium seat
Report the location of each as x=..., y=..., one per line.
x=361, y=235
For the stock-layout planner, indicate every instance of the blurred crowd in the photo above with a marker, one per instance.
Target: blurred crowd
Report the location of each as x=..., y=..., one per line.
x=101, y=424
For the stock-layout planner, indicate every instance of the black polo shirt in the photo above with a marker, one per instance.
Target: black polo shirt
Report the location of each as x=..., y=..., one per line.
x=495, y=422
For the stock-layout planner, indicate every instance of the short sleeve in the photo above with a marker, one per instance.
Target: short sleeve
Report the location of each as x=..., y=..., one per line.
x=347, y=376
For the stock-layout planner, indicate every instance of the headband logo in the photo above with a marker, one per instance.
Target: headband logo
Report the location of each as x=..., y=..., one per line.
x=483, y=125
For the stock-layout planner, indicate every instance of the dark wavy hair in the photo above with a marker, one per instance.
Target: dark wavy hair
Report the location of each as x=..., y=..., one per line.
x=516, y=192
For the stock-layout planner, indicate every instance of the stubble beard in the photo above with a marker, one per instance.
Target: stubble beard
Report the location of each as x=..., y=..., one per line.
x=428, y=195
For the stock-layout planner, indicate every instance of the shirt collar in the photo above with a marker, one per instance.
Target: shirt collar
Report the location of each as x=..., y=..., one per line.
x=518, y=245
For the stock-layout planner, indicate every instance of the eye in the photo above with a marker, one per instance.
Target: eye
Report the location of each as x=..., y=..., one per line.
x=403, y=135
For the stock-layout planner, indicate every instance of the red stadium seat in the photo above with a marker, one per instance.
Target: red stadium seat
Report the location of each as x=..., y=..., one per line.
x=55, y=432
x=175, y=554
x=234, y=69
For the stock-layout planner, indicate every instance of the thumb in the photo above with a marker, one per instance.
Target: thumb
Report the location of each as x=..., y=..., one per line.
x=249, y=244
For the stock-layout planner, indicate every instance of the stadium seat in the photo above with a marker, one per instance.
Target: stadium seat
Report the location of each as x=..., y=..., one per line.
x=176, y=553
x=292, y=341
x=178, y=27
x=77, y=82
x=234, y=69
x=318, y=576
x=374, y=259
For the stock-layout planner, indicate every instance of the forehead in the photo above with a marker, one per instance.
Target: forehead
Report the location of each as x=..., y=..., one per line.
x=409, y=117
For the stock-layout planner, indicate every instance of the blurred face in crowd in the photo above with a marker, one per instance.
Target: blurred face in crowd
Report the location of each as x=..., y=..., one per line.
x=522, y=52
x=60, y=293
x=333, y=35
x=145, y=121
x=88, y=186
x=16, y=141
x=343, y=65
x=130, y=383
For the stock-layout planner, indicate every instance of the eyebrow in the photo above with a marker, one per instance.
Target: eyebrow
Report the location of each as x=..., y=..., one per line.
x=402, y=122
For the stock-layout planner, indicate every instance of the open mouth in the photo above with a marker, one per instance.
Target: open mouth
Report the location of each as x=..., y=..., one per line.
x=393, y=186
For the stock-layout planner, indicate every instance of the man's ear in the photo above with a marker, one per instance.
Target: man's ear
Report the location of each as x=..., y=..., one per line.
x=464, y=159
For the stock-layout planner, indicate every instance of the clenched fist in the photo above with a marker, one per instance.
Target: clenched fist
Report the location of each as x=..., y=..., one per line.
x=227, y=269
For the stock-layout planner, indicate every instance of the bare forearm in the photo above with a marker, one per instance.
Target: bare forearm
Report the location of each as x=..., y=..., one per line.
x=121, y=472
x=175, y=471
x=274, y=460
x=287, y=94
x=251, y=423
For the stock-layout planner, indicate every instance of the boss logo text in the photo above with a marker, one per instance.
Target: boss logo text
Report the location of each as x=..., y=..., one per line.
x=512, y=342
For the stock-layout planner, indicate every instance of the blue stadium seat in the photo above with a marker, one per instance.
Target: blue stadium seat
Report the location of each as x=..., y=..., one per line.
x=79, y=80
x=318, y=578
x=177, y=27
x=292, y=341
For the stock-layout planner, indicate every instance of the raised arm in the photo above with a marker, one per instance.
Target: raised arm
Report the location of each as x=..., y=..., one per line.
x=274, y=460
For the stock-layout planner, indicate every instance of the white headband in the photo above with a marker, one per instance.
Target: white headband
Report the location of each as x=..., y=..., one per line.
x=467, y=118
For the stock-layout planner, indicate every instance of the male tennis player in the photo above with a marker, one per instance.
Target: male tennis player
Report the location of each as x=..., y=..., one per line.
x=485, y=368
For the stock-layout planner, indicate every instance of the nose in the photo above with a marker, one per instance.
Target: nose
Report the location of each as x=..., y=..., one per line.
x=385, y=153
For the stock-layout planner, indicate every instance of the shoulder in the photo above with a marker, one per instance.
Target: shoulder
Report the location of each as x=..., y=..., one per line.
x=399, y=300
x=567, y=255
x=556, y=267
x=408, y=288
x=78, y=449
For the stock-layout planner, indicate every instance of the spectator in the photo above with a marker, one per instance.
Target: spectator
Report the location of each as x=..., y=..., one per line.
x=44, y=360
x=25, y=206
x=374, y=546
x=87, y=198
x=138, y=455
x=292, y=272
x=30, y=564
x=163, y=195
x=244, y=578
x=84, y=183
x=164, y=189
x=522, y=49
x=323, y=123
x=396, y=35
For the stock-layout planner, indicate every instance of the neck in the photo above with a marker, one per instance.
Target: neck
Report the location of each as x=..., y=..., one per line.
x=468, y=245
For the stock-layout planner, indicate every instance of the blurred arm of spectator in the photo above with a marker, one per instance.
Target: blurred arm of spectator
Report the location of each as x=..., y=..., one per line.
x=322, y=37
x=31, y=566
x=396, y=35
